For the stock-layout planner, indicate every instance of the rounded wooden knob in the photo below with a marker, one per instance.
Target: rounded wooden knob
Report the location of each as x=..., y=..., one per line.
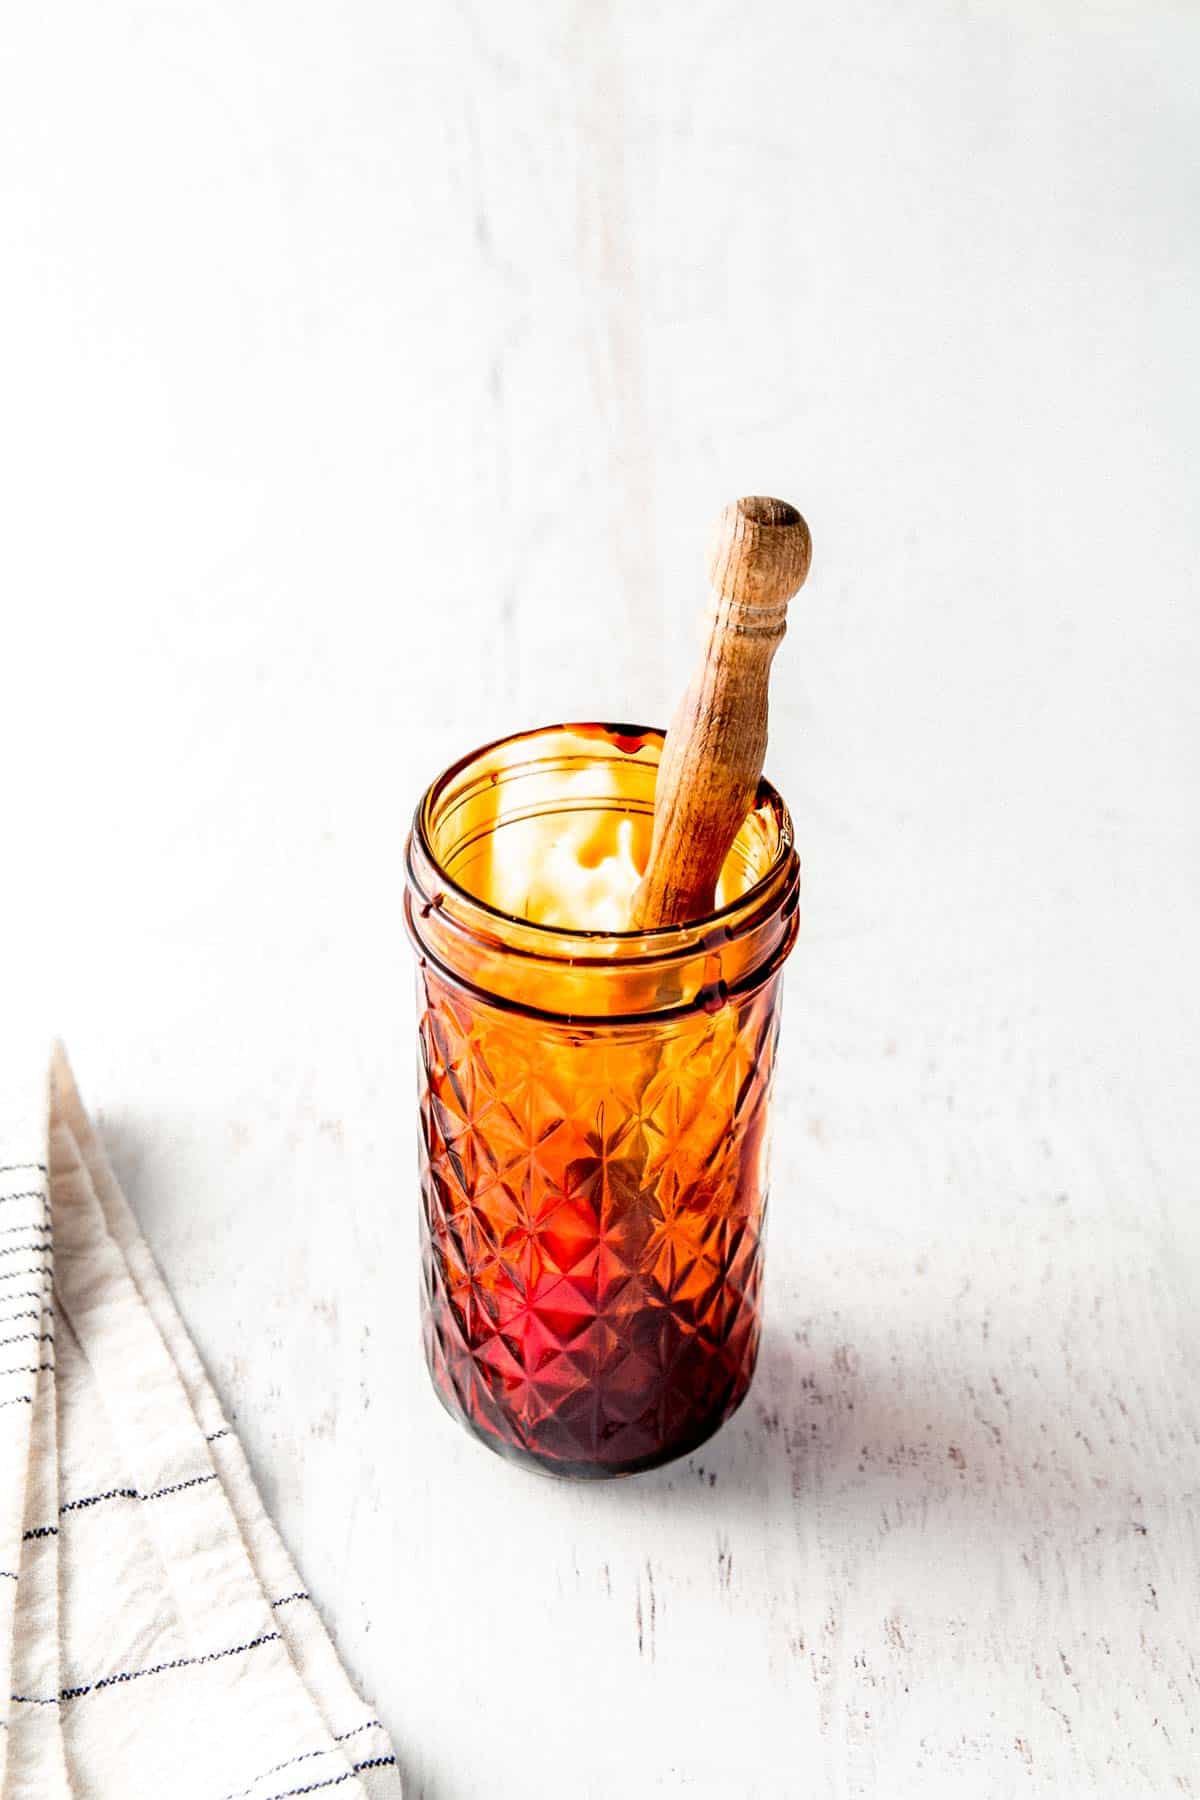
x=760, y=553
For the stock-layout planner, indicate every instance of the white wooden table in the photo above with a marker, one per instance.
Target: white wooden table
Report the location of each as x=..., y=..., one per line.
x=372, y=373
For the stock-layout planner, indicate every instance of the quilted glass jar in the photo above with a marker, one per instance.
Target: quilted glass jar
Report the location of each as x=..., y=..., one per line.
x=594, y=1113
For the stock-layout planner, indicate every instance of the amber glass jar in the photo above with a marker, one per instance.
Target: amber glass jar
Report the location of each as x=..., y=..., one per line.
x=594, y=1110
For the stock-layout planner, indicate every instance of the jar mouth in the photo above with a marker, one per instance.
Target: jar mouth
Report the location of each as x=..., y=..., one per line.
x=658, y=939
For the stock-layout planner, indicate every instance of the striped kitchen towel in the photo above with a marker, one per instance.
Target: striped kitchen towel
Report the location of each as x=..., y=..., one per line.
x=155, y=1639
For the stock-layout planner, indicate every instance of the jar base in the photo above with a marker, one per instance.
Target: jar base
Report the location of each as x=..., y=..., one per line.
x=560, y=1469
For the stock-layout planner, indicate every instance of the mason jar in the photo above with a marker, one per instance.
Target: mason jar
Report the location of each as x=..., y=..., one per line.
x=594, y=1111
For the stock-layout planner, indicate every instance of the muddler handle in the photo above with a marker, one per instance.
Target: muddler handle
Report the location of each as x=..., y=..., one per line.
x=713, y=755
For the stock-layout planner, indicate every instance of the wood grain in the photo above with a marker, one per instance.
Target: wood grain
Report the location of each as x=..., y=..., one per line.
x=716, y=742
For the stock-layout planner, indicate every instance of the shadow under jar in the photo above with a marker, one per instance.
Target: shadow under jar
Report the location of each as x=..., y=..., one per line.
x=594, y=1112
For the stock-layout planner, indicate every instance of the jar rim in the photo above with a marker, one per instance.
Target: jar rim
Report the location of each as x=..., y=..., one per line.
x=766, y=793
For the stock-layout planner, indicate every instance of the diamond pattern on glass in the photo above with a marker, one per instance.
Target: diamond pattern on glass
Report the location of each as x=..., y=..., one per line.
x=592, y=1219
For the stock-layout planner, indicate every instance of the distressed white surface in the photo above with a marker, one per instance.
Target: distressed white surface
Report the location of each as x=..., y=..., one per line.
x=371, y=373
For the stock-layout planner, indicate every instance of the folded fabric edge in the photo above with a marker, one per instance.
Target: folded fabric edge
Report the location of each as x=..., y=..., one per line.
x=370, y=1757
x=24, y=1187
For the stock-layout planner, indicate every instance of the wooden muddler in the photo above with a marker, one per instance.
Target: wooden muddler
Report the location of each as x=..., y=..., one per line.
x=714, y=749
